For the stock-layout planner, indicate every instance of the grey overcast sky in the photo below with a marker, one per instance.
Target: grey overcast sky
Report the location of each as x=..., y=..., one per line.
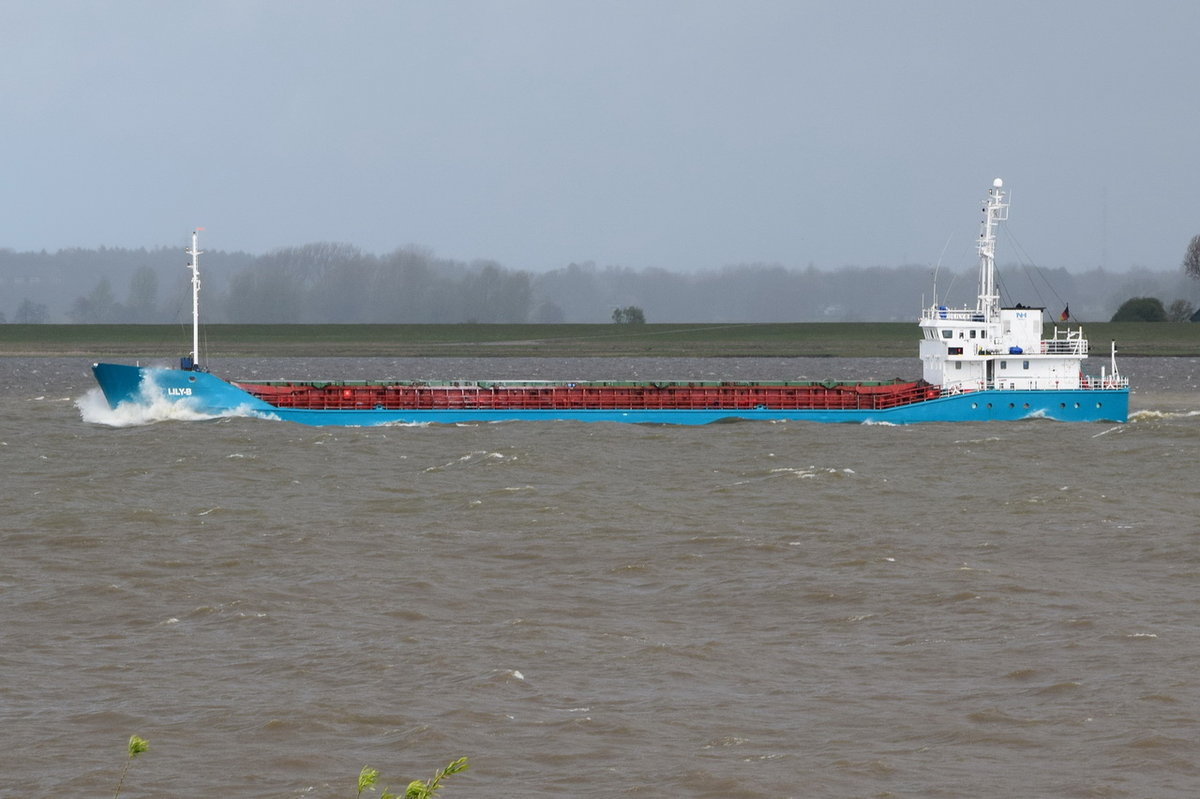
x=681, y=134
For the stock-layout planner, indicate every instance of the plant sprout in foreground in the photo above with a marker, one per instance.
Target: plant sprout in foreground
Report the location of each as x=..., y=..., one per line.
x=417, y=789
x=136, y=747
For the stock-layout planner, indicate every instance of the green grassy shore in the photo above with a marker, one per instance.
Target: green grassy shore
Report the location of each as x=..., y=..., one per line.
x=848, y=340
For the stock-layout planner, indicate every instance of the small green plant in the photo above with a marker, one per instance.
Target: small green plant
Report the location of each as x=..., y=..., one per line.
x=136, y=747
x=366, y=778
x=417, y=789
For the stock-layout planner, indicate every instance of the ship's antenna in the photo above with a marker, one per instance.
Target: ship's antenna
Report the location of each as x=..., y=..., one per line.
x=194, y=265
x=994, y=212
x=938, y=267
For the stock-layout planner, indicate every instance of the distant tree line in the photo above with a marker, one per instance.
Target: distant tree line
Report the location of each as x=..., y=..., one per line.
x=632, y=315
x=326, y=283
x=1151, y=309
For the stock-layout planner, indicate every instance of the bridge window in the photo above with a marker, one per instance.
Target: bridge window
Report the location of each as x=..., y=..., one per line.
x=947, y=334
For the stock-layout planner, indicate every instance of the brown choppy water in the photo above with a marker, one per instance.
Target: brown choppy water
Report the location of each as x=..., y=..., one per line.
x=744, y=609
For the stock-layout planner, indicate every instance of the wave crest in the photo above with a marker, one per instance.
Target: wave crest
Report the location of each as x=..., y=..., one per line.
x=150, y=407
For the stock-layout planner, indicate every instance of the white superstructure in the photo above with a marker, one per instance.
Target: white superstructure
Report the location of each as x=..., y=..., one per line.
x=990, y=347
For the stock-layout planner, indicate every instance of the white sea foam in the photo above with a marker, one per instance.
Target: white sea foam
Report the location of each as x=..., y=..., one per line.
x=150, y=407
x=1107, y=431
x=1148, y=415
x=473, y=457
x=803, y=474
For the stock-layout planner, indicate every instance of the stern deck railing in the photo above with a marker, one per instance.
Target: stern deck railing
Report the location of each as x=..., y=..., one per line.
x=1086, y=383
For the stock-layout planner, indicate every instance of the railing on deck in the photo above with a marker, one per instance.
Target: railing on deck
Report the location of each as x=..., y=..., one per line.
x=1086, y=383
x=1106, y=382
x=953, y=314
x=572, y=396
x=1065, y=346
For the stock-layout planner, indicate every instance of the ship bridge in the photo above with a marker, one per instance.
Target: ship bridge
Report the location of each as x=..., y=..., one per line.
x=994, y=347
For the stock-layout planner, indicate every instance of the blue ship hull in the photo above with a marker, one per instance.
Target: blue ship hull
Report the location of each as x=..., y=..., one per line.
x=204, y=394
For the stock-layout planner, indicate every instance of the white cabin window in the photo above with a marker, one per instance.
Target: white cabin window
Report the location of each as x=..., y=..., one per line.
x=972, y=334
x=1024, y=364
x=947, y=334
x=1004, y=364
x=958, y=364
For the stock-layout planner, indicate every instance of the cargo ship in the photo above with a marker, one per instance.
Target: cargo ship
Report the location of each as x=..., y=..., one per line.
x=981, y=363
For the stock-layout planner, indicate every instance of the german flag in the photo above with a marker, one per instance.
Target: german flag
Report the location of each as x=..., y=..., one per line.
x=1066, y=314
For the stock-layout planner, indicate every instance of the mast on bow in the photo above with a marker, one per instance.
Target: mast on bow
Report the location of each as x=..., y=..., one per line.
x=194, y=251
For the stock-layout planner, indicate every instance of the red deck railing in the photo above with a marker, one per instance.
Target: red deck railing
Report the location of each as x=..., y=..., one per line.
x=567, y=396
